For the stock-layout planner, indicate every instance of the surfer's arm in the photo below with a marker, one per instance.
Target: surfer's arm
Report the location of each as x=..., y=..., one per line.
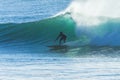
x=58, y=37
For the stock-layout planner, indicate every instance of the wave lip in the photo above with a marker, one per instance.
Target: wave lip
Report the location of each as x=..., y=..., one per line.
x=92, y=12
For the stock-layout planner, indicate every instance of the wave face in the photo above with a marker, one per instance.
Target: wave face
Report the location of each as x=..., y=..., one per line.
x=37, y=33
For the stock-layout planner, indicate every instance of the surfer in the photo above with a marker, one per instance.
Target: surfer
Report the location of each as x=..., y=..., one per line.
x=61, y=37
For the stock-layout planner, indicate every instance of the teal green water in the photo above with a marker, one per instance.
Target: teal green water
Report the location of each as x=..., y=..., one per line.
x=39, y=32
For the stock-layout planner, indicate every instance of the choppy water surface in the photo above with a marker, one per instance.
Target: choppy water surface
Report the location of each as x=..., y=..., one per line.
x=36, y=67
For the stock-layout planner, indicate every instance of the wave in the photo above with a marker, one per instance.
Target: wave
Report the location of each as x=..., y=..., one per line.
x=77, y=22
x=97, y=22
x=37, y=33
x=45, y=31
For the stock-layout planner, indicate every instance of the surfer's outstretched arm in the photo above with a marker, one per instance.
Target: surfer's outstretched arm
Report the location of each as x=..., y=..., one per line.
x=58, y=37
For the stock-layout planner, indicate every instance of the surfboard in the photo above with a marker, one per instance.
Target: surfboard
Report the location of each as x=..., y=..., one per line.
x=58, y=47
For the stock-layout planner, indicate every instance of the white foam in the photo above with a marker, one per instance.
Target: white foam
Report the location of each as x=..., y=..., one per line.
x=89, y=12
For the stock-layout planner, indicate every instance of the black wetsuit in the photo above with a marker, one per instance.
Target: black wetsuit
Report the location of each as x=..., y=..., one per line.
x=62, y=37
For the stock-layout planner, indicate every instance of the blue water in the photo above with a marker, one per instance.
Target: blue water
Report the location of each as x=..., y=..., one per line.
x=37, y=67
x=12, y=11
x=29, y=27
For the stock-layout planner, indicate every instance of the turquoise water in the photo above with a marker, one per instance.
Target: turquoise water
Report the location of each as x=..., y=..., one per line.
x=28, y=28
x=81, y=27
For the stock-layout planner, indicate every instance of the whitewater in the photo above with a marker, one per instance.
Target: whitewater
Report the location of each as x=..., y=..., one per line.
x=27, y=28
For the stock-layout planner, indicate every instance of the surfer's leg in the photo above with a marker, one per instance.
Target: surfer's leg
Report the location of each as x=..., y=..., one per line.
x=64, y=40
x=60, y=41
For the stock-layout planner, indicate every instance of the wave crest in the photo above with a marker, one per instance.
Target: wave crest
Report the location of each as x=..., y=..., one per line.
x=93, y=12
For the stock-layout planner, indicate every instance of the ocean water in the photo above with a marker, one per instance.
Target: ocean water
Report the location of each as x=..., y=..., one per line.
x=36, y=67
x=28, y=28
x=12, y=11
